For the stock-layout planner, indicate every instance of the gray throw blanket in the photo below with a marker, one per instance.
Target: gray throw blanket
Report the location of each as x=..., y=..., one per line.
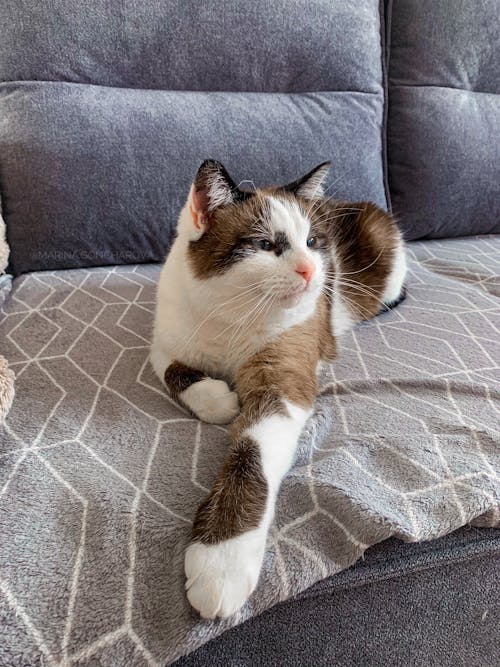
x=100, y=474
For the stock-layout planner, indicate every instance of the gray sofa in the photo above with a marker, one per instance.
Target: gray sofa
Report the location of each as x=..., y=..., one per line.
x=106, y=110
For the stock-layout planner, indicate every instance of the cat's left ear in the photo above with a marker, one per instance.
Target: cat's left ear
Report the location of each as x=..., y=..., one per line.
x=310, y=186
x=211, y=189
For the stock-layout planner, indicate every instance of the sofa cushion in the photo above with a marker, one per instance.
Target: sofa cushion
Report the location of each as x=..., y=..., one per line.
x=444, y=117
x=107, y=114
x=190, y=45
x=94, y=175
x=101, y=473
x=378, y=615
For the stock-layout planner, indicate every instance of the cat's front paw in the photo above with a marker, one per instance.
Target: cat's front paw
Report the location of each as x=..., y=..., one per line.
x=212, y=401
x=221, y=577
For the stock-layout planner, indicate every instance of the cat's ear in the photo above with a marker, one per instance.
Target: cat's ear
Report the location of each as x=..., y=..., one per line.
x=211, y=189
x=310, y=186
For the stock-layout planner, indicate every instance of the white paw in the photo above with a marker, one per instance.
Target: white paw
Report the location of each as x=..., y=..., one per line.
x=212, y=401
x=221, y=577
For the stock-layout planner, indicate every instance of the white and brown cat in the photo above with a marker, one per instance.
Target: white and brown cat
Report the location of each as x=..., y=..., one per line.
x=255, y=291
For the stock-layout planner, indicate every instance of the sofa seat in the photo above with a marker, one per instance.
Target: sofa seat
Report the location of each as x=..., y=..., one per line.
x=101, y=473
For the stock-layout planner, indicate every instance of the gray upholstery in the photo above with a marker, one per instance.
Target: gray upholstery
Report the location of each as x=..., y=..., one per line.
x=436, y=607
x=444, y=116
x=190, y=45
x=95, y=174
x=101, y=133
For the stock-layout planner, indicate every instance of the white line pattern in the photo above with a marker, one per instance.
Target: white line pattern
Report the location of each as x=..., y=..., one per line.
x=410, y=393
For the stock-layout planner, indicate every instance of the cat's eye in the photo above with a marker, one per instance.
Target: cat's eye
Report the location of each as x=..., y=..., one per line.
x=311, y=241
x=264, y=244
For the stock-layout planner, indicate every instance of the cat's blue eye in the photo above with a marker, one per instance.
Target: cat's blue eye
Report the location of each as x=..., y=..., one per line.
x=264, y=244
x=311, y=241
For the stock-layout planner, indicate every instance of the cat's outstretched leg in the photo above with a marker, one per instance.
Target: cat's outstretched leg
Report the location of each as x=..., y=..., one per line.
x=210, y=400
x=230, y=529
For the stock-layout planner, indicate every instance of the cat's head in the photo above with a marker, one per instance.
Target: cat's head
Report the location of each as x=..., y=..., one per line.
x=261, y=244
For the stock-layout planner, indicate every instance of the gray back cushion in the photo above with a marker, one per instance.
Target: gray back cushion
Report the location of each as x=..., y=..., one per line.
x=444, y=116
x=108, y=108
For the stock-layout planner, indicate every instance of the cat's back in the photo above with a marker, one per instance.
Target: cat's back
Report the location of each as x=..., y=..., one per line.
x=367, y=260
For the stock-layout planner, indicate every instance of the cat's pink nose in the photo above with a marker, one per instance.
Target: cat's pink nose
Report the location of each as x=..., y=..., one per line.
x=306, y=270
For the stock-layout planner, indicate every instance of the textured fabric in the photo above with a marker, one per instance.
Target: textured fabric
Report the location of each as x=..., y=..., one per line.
x=444, y=147
x=6, y=375
x=241, y=46
x=6, y=388
x=5, y=287
x=444, y=117
x=4, y=248
x=101, y=132
x=94, y=175
x=101, y=473
x=435, y=616
x=435, y=44
x=5, y=278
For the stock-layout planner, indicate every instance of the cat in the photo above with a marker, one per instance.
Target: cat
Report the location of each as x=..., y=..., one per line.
x=252, y=297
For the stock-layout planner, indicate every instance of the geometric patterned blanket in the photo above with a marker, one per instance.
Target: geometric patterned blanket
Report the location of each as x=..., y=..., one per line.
x=101, y=474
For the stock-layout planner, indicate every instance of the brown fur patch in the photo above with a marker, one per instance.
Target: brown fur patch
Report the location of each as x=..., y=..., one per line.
x=237, y=500
x=285, y=369
x=228, y=236
x=179, y=377
x=365, y=239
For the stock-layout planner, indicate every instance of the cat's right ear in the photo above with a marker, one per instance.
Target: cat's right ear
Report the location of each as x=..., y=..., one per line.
x=211, y=189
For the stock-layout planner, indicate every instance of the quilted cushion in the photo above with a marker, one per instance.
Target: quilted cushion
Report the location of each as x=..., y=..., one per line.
x=444, y=117
x=108, y=109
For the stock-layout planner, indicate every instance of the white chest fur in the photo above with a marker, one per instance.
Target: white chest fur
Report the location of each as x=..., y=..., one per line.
x=207, y=333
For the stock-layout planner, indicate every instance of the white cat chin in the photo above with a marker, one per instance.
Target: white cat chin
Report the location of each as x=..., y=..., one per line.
x=302, y=297
x=292, y=301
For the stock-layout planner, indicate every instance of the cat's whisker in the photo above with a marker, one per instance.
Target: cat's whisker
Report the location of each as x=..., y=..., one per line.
x=247, y=180
x=258, y=309
x=339, y=211
x=329, y=216
x=243, y=317
x=360, y=287
x=355, y=306
x=339, y=279
x=266, y=306
x=364, y=268
x=370, y=291
x=350, y=273
x=259, y=282
x=340, y=276
x=345, y=209
x=361, y=290
x=214, y=311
